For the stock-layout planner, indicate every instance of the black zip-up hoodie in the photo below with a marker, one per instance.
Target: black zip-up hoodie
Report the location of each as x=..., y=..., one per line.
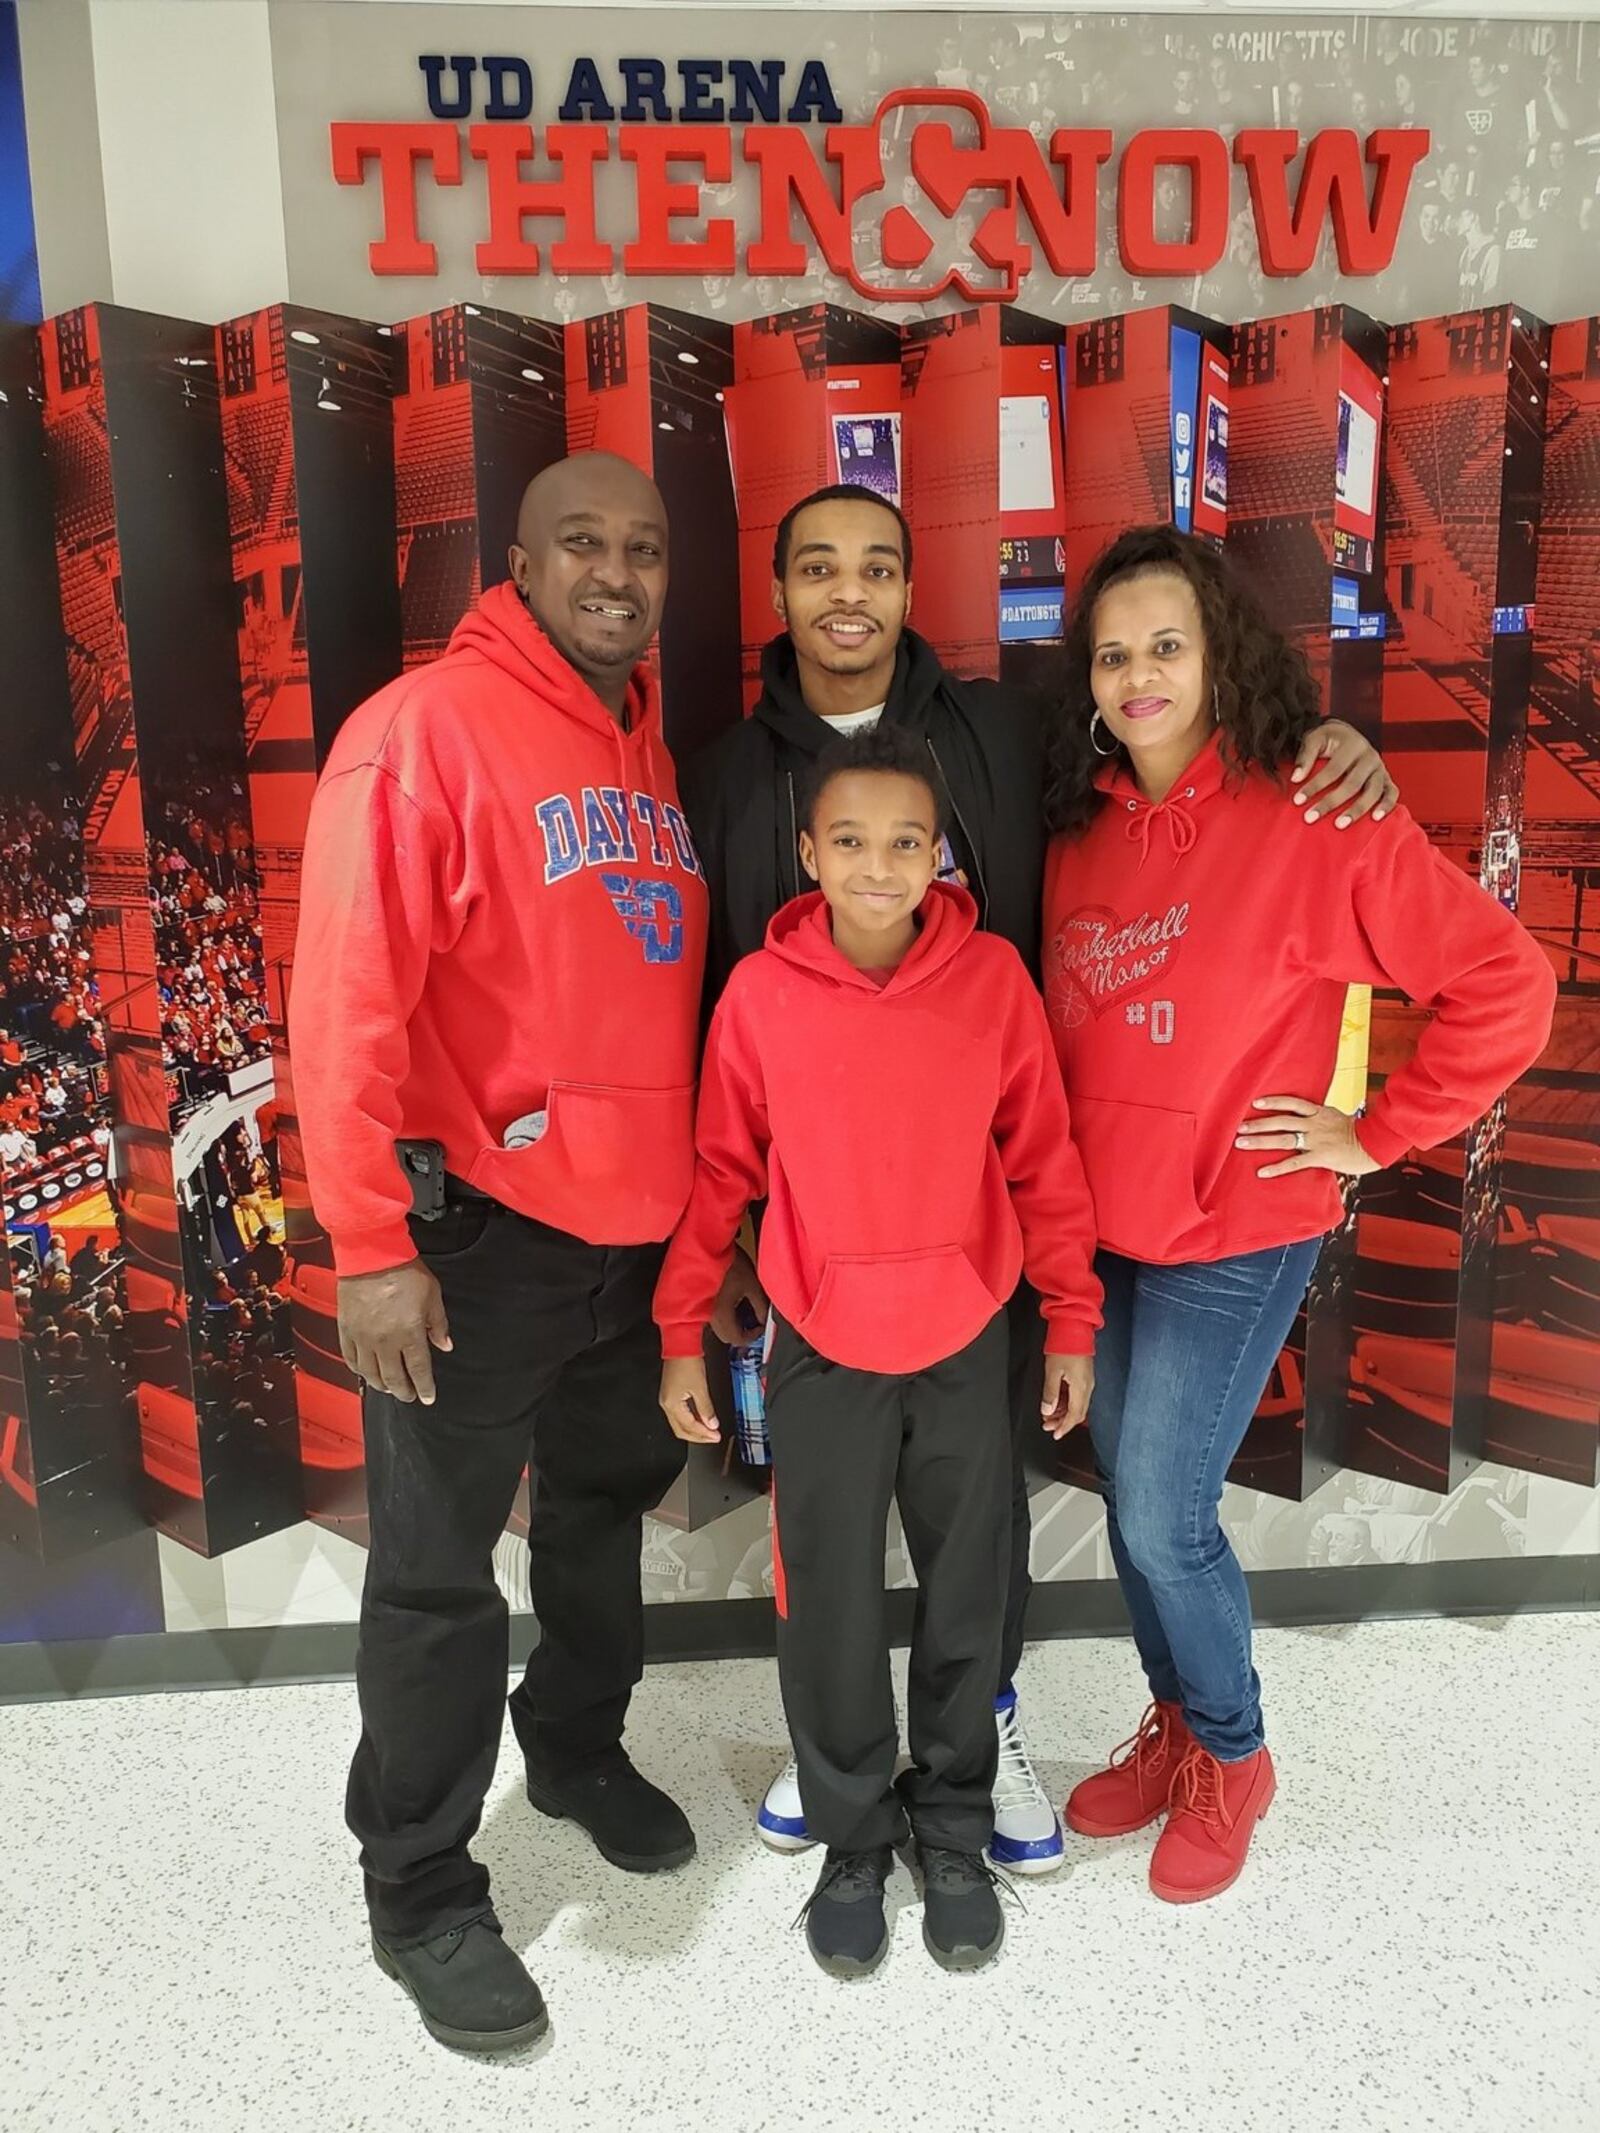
x=744, y=796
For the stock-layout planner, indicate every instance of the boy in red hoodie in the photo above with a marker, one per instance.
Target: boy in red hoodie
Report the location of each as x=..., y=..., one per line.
x=881, y=1072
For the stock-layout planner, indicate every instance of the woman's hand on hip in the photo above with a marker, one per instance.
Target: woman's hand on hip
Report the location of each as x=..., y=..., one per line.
x=1315, y=1136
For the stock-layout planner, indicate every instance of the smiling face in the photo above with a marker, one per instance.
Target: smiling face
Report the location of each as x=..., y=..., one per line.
x=871, y=848
x=843, y=596
x=1148, y=670
x=590, y=560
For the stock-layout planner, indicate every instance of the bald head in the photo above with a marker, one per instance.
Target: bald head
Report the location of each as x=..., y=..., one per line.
x=590, y=560
x=588, y=482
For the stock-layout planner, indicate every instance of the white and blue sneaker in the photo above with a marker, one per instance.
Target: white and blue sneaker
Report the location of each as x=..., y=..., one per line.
x=780, y=1819
x=1027, y=1831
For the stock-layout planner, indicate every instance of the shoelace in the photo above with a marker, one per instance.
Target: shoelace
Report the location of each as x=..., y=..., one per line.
x=965, y=1869
x=853, y=1874
x=1150, y=1745
x=1197, y=1790
x=1015, y=1784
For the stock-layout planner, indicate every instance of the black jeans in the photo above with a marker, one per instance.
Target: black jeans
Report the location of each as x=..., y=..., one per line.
x=844, y=1444
x=555, y=1360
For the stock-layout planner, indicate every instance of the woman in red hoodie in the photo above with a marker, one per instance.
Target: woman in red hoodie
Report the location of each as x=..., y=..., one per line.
x=881, y=1073
x=1197, y=954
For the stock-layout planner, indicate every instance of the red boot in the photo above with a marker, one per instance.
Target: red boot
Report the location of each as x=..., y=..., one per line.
x=1212, y=1816
x=1133, y=1790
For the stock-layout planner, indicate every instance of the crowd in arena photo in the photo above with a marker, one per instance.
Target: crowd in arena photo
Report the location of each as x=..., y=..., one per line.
x=243, y=1323
x=243, y=1352
x=70, y=1321
x=1513, y=169
x=50, y=1039
x=209, y=964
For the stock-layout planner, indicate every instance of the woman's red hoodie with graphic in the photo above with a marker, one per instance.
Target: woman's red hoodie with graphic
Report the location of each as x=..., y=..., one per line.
x=1197, y=956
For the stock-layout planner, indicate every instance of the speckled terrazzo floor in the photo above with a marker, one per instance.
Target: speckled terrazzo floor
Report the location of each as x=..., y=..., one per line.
x=1416, y=1944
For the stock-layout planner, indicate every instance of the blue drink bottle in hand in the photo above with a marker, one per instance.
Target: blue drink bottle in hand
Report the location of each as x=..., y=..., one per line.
x=747, y=1367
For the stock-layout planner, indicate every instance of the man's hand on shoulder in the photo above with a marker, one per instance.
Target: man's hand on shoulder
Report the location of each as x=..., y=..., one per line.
x=1340, y=773
x=387, y=1323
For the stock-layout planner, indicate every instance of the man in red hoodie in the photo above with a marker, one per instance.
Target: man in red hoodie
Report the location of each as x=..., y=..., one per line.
x=494, y=1024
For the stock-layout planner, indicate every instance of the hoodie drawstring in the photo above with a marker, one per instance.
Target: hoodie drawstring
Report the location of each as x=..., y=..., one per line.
x=1180, y=824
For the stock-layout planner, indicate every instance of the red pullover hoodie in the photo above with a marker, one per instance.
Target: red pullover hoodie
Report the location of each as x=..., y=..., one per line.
x=1197, y=955
x=912, y=1140
x=501, y=913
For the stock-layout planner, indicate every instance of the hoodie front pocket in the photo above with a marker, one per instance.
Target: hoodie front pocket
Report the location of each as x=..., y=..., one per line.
x=897, y=1311
x=1139, y=1162
x=612, y=1166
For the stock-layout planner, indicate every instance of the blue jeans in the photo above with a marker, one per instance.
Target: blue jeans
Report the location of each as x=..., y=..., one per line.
x=1180, y=1367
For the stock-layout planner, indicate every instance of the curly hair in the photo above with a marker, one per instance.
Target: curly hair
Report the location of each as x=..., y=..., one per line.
x=1266, y=700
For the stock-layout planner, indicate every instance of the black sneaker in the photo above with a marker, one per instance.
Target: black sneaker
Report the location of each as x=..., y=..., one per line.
x=632, y=1822
x=471, y=1990
x=962, y=1924
x=845, y=1927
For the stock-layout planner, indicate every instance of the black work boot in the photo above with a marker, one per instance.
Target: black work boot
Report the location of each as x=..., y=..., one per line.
x=845, y=1927
x=471, y=1990
x=632, y=1822
x=962, y=1924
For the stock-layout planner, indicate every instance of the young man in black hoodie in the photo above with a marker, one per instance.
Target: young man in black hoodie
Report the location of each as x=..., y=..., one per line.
x=842, y=589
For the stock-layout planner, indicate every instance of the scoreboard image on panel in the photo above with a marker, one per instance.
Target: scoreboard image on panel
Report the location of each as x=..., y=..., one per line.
x=1307, y=433
x=984, y=453
x=1033, y=502
x=815, y=399
x=951, y=409
x=132, y=419
x=308, y=434
x=651, y=384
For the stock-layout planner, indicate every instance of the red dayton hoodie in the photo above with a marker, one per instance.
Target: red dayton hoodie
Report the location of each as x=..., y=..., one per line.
x=1196, y=957
x=912, y=1137
x=501, y=913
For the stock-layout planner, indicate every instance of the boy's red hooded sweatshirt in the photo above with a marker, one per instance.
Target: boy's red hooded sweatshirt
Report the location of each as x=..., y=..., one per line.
x=501, y=913
x=912, y=1140
x=1197, y=955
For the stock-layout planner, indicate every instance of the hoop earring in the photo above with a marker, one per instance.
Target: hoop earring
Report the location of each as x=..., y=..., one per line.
x=1097, y=720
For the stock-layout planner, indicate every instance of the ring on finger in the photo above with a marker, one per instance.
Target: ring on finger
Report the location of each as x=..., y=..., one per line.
x=1300, y=1139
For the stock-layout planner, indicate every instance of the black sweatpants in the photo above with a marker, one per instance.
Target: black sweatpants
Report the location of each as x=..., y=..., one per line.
x=1026, y=1375
x=844, y=1444
x=555, y=1359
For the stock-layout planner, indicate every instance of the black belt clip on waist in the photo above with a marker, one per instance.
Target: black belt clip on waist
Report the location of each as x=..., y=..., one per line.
x=423, y=1165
